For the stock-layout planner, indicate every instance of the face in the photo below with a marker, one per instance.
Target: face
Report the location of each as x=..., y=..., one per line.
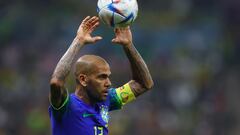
x=98, y=83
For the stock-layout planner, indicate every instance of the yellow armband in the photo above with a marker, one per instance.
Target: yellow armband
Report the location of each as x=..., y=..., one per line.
x=125, y=94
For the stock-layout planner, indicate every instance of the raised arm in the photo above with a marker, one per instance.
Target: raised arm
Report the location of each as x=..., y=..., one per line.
x=58, y=92
x=141, y=78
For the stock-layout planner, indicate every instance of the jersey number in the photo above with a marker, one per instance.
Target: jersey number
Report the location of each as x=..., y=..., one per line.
x=98, y=130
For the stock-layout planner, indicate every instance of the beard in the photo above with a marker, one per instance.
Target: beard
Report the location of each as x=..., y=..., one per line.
x=94, y=96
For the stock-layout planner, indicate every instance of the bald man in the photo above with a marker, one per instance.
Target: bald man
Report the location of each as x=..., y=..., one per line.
x=85, y=112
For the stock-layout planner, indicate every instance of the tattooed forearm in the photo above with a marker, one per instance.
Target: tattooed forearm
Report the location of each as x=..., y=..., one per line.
x=139, y=69
x=65, y=64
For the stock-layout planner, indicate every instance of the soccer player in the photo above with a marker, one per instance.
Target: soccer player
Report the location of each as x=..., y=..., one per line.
x=85, y=112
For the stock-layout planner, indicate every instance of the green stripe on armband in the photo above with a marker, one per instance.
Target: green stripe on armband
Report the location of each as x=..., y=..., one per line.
x=115, y=101
x=64, y=103
x=118, y=102
x=125, y=94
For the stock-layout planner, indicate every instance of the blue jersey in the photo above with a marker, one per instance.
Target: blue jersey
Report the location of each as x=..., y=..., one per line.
x=75, y=117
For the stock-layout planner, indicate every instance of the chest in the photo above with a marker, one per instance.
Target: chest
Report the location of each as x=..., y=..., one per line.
x=94, y=117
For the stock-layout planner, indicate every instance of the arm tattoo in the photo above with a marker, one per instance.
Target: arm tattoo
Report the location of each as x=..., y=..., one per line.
x=58, y=92
x=140, y=72
x=65, y=64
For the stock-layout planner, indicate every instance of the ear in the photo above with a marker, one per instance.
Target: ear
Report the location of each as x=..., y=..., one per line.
x=82, y=78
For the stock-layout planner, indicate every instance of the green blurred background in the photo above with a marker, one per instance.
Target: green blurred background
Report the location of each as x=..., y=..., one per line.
x=192, y=48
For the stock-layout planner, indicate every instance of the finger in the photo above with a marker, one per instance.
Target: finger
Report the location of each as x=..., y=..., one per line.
x=90, y=24
x=97, y=38
x=93, y=27
x=92, y=19
x=86, y=19
x=126, y=28
x=95, y=21
x=117, y=30
x=115, y=40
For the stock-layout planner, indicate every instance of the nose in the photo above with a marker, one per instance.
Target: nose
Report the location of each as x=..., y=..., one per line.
x=108, y=83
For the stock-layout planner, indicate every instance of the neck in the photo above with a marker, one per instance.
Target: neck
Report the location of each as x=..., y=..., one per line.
x=81, y=93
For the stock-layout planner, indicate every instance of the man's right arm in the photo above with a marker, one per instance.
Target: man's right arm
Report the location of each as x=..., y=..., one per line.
x=58, y=92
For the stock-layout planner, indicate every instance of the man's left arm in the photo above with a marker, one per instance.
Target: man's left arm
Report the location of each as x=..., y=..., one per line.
x=141, y=78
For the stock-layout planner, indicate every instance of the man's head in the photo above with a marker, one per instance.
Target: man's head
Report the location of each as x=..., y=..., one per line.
x=92, y=73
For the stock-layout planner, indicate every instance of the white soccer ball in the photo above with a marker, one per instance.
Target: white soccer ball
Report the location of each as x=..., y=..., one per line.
x=117, y=13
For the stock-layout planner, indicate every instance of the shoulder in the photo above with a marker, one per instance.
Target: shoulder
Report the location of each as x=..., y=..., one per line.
x=113, y=101
x=75, y=102
x=111, y=94
x=72, y=102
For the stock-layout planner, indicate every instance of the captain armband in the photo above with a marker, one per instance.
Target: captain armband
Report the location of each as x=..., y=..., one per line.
x=125, y=94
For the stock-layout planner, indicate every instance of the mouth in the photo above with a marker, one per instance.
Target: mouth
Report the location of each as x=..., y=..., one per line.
x=105, y=93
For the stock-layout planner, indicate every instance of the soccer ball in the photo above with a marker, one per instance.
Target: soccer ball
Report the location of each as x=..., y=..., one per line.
x=117, y=13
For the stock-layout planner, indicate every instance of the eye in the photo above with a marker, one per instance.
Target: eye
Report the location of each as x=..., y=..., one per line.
x=103, y=76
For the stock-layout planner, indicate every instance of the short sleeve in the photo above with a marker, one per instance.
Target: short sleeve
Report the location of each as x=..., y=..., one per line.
x=63, y=104
x=57, y=113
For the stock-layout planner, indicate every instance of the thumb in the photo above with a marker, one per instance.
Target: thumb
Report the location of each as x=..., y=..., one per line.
x=97, y=38
x=115, y=40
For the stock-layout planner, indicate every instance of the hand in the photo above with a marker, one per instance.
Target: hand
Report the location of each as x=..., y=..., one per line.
x=123, y=36
x=85, y=29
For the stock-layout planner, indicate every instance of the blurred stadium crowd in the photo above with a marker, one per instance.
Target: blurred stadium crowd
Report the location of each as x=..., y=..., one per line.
x=192, y=48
